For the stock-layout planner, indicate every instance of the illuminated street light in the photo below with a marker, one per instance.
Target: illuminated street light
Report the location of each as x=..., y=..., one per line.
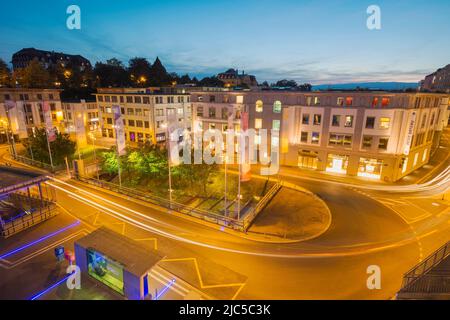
x=165, y=126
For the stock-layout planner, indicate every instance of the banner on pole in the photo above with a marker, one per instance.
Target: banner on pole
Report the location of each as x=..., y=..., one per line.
x=16, y=117
x=244, y=150
x=120, y=132
x=51, y=136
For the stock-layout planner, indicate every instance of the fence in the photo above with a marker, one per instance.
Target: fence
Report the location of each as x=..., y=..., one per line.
x=205, y=215
x=249, y=217
x=24, y=222
x=38, y=164
x=417, y=279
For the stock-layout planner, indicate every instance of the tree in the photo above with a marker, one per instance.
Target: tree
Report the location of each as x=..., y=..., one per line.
x=5, y=74
x=139, y=71
x=286, y=83
x=158, y=74
x=33, y=76
x=109, y=163
x=211, y=82
x=305, y=87
x=61, y=147
x=111, y=74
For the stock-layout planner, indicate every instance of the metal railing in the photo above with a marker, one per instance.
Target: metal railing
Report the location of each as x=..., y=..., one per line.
x=38, y=164
x=419, y=271
x=250, y=216
x=172, y=205
x=16, y=225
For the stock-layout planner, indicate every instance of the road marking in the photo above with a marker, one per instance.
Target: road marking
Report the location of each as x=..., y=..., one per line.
x=155, y=241
x=199, y=276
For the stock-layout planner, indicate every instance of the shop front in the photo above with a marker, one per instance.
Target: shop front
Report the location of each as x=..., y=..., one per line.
x=370, y=168
x=337, y=163
x=307, y=159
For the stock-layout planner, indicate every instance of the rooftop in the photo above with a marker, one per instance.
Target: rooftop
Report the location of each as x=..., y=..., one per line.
x=12, y=179
x=135, y=258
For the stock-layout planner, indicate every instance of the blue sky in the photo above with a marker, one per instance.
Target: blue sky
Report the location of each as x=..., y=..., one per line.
x=309, y=41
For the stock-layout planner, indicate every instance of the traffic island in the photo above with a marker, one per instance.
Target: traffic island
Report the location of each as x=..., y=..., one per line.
x=293, y=215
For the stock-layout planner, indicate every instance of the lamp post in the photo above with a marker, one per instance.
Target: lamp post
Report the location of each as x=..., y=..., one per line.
x=92, y=136
x=168, y=163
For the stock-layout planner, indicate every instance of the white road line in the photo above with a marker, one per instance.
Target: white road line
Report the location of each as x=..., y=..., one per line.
x=164, y=282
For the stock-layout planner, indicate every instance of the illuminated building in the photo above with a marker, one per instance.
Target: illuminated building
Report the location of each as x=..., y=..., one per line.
x=381, y=135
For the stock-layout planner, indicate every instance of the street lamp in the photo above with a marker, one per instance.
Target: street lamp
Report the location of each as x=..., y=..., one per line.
x=92, y=136
x=165, y=126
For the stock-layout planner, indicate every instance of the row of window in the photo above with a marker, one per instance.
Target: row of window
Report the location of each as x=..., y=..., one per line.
x=344, y=140
x=26, y=96
x=143, y=100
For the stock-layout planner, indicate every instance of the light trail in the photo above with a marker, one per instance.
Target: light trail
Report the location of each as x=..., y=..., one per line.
x=168, y=235
x=32, y=243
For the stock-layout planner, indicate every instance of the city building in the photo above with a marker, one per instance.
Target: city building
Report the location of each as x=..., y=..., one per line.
x=25, y=110
x=23, y=57
x=438, y=81
x=232, y=78
x=381, y=135
x=146, y=112
x=88, y=126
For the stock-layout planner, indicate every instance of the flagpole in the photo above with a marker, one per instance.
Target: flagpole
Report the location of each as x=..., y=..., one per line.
x=49, y=149
x=9, y=130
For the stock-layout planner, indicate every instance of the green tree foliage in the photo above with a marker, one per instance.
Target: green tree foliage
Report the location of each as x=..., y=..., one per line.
x=62, y=147
x=109, y=162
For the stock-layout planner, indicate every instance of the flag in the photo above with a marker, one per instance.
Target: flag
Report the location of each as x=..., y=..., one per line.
x=51, y=136
x=80, y=128
x=244, y=150
x=120, y=133
x=16, y=117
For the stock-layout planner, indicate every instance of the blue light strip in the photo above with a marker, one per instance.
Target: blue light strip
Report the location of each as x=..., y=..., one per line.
x=40, y=294
x=12, y=252
x=163, y=291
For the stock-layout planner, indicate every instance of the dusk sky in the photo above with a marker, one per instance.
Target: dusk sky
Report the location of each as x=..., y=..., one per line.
x=309, y=41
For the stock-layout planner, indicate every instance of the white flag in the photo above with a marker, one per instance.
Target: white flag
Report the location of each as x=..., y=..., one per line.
x=120, y=133
x=48, y=121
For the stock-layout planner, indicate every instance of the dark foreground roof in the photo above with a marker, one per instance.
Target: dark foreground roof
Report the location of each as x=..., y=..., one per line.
x=14, y=178
x=129, y=253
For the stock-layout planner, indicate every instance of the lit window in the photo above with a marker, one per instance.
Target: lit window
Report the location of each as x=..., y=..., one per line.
x=276, y=124
x=316, y=101
x=304, y=137
x=317, y=119
x=416, y=158
x=336, y=121
x=239, y=99
x=340, y=101
x=258, y=123
x=367, y=142
x=259, y=106
x=383, y=143
x=375, y=102
x=277, y=106
x=424, y=156
x=385, y=102
x=385, y=123
x=315, y=137
x=348, y=121
x=305, y=118
x=349, y=101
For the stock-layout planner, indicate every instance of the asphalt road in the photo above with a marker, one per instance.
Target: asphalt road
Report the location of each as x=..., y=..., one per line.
x=364, y=232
